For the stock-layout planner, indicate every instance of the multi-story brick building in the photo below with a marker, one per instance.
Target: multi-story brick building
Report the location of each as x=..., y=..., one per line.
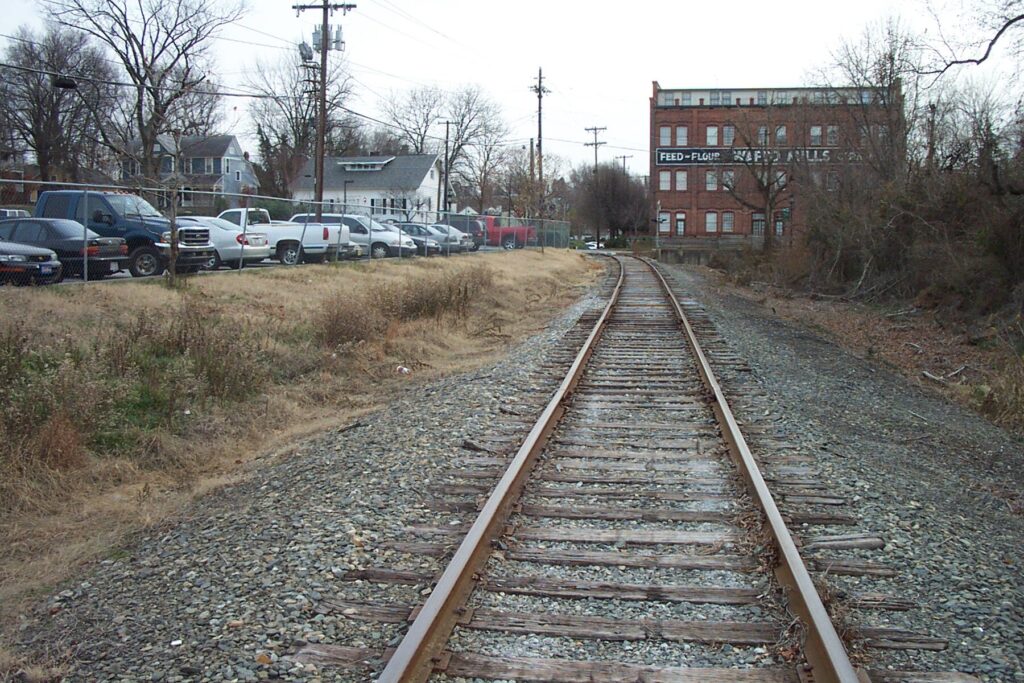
x=734, y=161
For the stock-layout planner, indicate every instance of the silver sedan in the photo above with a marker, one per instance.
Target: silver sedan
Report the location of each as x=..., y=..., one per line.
x=230, y=242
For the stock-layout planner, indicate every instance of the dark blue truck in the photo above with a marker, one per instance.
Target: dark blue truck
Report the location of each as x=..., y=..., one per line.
x=145, y=230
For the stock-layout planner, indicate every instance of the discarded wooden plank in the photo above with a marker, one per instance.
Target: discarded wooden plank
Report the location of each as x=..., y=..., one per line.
x=617, y=629
x=820, y=518
x=849, y=566
x=613, y=493
x=651, y=479
x=365, y=611
x=338, y=655
x=899, y=639
x=383, y=575
x=568, y=588
x=879, y=601
x=884, y=676
x=734, y=563
x=540, y=670
x=844, y=542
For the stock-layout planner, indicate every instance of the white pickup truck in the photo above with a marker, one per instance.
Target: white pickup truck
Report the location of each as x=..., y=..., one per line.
x=291, y=242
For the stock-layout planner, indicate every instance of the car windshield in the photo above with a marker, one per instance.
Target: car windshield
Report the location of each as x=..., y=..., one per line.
x=380, y=227
x=130, y=205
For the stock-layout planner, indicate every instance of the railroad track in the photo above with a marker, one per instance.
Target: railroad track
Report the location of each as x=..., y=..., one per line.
x=632, y=536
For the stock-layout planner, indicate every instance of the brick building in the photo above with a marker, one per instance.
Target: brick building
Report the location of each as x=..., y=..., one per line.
x=730, y=162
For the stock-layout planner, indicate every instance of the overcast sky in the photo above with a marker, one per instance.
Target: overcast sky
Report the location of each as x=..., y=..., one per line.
x=598, y=58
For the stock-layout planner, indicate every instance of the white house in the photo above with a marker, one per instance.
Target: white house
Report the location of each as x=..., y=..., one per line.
x=406, y=187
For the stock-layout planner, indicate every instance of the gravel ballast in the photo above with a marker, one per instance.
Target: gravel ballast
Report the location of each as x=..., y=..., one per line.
x=233, y=588
x=920, y=472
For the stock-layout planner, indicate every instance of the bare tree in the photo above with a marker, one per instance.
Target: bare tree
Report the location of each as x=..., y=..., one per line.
x=475, y=119
x=163, y=48
x=56, y=124
x=285, y=118
x=609, y=201
x=482, y=167
x=415, y=114
x=1000, y=20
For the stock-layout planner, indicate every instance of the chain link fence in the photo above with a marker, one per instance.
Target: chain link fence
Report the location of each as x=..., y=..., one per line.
x=100, y=231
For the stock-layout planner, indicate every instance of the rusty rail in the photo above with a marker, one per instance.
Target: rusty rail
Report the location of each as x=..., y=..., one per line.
x=416, y=654
x=823, y=649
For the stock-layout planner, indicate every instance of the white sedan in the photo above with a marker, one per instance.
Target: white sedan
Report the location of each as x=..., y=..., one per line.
x=230, y=242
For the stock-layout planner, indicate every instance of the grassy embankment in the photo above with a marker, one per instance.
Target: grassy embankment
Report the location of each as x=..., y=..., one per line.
x=121, y=401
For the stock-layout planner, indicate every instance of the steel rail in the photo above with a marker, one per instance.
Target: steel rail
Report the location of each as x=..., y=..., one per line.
x=823, y=648
x=420, y=649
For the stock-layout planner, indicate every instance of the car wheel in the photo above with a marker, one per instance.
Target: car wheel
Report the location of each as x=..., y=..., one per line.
x=145, y=262
x=509, y=243
x=214, y=263
x=475, y=247
x=380, y=250
x=318, y=258
x=289, y=253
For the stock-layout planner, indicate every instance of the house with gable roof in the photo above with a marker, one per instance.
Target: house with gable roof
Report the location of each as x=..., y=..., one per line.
x=404, y=187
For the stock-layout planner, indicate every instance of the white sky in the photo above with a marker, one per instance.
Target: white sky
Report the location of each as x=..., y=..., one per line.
x=598, y=58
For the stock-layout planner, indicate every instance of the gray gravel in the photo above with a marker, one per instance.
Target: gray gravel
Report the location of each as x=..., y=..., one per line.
x=228, y=591
x=919, y=471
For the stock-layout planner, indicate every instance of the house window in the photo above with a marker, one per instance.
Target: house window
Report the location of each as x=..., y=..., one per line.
x=681, y=177
x=780, y=135
x=728, y=180
x=832, y=136
x=665, y=136
x=728, y=221
x=728, y=135
x=680, y=222
x=663, y=223
x=227, y=165
x=664, y=180
x=216, y=166
x=757, y=224
x=762, y=135
x=682, y=136
x=710, y=181
x=238, y=176
x=198, y=165
x=712, y=136
x=711, y=221
x=815, y=136
x=186, y=196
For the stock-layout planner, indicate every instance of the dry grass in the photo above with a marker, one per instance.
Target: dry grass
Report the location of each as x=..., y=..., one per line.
x=120, y=402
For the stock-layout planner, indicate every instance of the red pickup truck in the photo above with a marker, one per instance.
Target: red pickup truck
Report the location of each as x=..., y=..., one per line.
x=496, y=231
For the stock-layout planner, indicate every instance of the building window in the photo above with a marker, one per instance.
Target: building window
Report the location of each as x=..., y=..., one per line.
x=712, y=137
x=716, y=98
x=757, y=224
x=865, y=97
x=686, y=98
x=726, y=97
x=664, y=180
x=779, y=222
x=762, y=135
x=762, y=97
x=728, y=135
x=728, y=180
x=728, y=221
x=681, y=178
x=780, y=135
x=680, y=223
x=832, y=181
x=815, y=136
x=227, y=165
x=238, y=176
x=711, y=221
x=710, y=180
x=832, y=136
x=682, y=136
x=663, y=222
x=780, y=179
x=665, y=136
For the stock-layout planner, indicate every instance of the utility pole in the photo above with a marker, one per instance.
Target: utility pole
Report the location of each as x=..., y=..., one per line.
x=532, y=176
x=445, y=188
x=541, y=91
x=321, y=123
x=595, y=144
x=623, y=157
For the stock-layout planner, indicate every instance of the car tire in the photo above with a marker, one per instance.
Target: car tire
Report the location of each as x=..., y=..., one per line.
x=509, y=242
x=145, y=262
x=379, y=250
x=318, y=258
x=214, y=263
x=289, y=253
x=475, y=247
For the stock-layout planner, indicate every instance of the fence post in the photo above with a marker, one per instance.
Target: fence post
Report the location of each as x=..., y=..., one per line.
x=85, y=237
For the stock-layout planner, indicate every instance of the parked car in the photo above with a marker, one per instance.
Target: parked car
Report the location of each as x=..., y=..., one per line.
x=14, y=213
x=426, y=240
x=456, y=239
x=380, y=239
x=73, y=244
x=233, y=245
x=23, y=264
x=347, y=249
x=473, y=226
x=146, y=232
x=594, y=245
x=290, y=241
